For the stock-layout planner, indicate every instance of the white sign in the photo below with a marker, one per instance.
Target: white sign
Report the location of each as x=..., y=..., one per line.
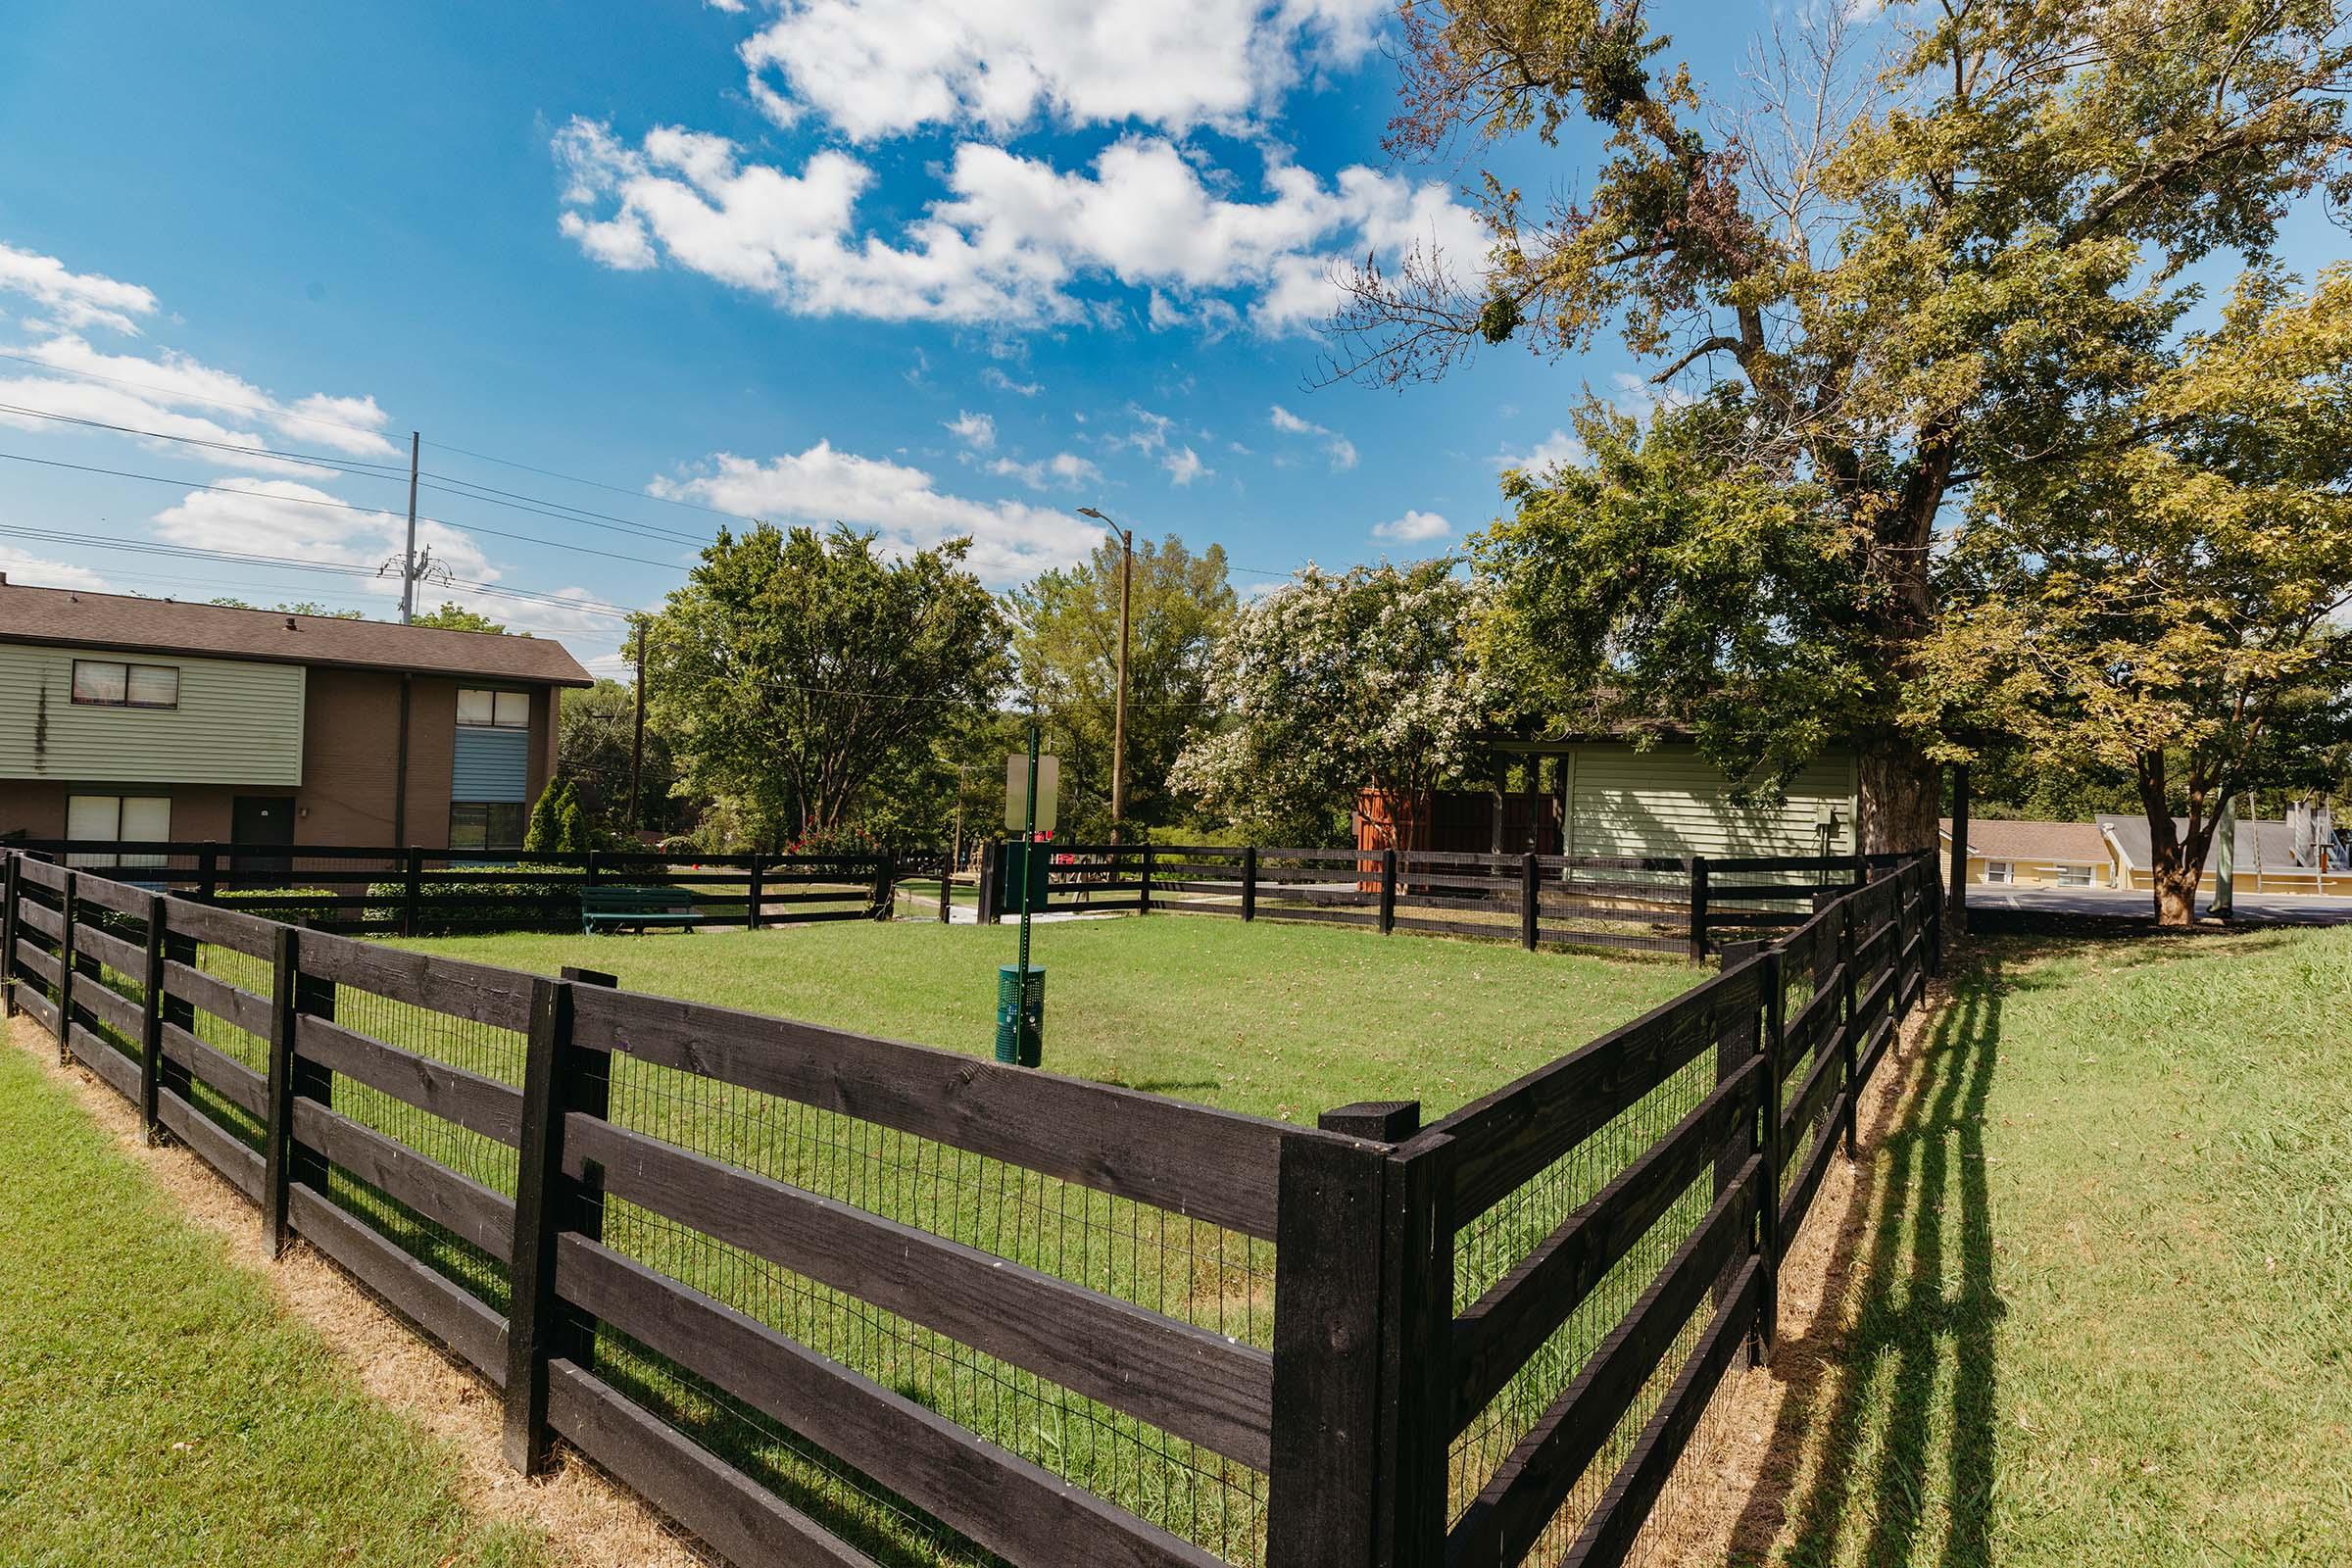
x=1016, y=791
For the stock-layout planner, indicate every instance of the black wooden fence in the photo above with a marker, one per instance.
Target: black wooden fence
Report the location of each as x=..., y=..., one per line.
x=815, y=1293
x=358, y=889
x=1686, y=906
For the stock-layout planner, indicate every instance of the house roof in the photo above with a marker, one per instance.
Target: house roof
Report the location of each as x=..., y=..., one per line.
x=2269, y=844
x=56, y=616
x=2055, y=843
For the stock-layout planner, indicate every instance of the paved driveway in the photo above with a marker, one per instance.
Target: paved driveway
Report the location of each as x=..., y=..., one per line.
x=2253, y=908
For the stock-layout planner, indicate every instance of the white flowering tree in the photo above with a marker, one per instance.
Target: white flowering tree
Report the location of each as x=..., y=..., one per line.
x=1336, y=683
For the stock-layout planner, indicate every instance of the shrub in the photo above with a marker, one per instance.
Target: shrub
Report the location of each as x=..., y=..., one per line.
x=533, y=898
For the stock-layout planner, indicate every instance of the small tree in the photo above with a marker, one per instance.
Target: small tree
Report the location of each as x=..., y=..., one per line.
x=1338, y=683
x=545, y=830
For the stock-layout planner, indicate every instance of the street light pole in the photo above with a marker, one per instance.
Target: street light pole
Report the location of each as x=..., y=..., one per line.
x=1118, y=729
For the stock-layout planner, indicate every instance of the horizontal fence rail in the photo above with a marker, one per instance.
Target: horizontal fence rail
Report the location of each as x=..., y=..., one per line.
x=1678, y=906
x=353, y=889
x=827, y=1297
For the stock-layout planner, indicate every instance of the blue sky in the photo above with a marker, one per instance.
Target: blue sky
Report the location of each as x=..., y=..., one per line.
x=932, y=276
x=925, y=266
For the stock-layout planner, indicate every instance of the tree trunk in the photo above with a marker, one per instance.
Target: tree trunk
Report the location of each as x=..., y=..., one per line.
x=2175, y=895
x=2174, y=866
x=1900, y=796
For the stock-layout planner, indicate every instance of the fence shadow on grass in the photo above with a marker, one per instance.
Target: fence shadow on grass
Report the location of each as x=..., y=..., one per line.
x=1854, y=1485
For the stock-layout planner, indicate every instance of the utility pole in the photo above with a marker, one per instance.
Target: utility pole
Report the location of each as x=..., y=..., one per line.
x=407, y=560
x=1118, y=732
x=637, y=739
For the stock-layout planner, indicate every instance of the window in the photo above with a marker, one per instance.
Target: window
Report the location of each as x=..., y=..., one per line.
x=486, y=824
x=1998, y=871
x=2074, y=876
x=103, y=683
x=488, y=710
x=118, y=820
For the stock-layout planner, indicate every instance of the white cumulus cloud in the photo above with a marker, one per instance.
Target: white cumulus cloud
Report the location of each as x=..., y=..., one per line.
x=1336, y=446
x=975, y=430
x=1184, y=466
x=884, y=68
x=1065, y=469
x=1011, y=540
x=1556, y=450
x=70, y=299
x=1414, y=527
x=1011, y=242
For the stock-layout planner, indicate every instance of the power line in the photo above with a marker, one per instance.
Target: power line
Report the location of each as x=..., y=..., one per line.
x=344, y=506
x=365, y=469
x=349, y=568
x=183, y=395
x=594, y=484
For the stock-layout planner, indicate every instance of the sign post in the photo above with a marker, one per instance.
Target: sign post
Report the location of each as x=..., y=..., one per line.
x=1032, y=781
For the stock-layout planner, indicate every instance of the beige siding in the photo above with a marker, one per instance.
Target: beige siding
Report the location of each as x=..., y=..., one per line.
x=236, y=723
x=1671, y=801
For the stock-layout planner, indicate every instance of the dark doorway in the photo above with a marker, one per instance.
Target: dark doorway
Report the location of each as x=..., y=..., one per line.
x=262, y=819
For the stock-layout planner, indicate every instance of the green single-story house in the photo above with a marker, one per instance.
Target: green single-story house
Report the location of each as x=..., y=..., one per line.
x=1618, y=800
x=1608, y=797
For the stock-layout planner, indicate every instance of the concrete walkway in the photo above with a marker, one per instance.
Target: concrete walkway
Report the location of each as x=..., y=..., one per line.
x=2119, y=903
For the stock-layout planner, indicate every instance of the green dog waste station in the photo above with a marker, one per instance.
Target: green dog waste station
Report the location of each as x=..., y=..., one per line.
x=1020, y=1022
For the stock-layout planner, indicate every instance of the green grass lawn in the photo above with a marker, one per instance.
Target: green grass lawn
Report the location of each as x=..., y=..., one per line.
x=2103, y=1301
x=1277, y=1019
x=155, y=1406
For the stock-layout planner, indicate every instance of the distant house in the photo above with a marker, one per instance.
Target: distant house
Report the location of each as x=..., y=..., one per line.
x=1602, y=796
x=141, y=719
x=2066, y=855
x=2302, y=855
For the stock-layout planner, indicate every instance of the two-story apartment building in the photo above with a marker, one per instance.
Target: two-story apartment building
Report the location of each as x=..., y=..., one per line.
x=141, y=719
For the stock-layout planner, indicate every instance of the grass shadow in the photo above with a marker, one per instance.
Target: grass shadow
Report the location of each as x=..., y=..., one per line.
x=1850, y=1475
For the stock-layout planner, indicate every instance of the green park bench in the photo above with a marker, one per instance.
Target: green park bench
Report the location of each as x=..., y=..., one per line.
x=621, y=909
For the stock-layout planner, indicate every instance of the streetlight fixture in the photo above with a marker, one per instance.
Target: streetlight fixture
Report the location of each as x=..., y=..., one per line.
x=1118, y=736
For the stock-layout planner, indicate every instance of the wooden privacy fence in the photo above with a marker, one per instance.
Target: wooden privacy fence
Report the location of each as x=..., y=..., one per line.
x=358, y=889
x=1685, y=905
x=829, y=1299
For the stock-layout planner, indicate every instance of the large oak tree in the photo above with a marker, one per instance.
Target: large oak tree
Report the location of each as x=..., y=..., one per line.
x=1904, y=271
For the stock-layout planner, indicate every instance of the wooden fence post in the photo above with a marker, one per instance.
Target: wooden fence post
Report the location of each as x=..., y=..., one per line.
x=174, y=1076
x=1530, y=907
x=1362, y=1254
x=1849, y=1046
x=208, y=873
x=1935, y=902
x=1769, y=1241
x=278, y=1154
x=1387, y=891
x=589, y=1087
x=151, y=1017
x=1698, y=908
x=991, y=858
x=64, y=976
x=752, y=907
x=1144, y=894
x=886, y=886
x=947, y=886
x=412, y=889
x=532, y=1333
x=1249, y=881
x=10, y=860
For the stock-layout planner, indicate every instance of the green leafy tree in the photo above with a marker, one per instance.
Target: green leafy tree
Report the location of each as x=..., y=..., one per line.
x=299, y=607
x=1067, y=643
x=2167, y=608
x=1909, y=274
x=592, y=749
x=1336, y=683
x=453, y=617
x=795, y=671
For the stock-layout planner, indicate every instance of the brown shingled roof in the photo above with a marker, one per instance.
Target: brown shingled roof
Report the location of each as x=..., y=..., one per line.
x=2073, y=843
x=81, y=619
